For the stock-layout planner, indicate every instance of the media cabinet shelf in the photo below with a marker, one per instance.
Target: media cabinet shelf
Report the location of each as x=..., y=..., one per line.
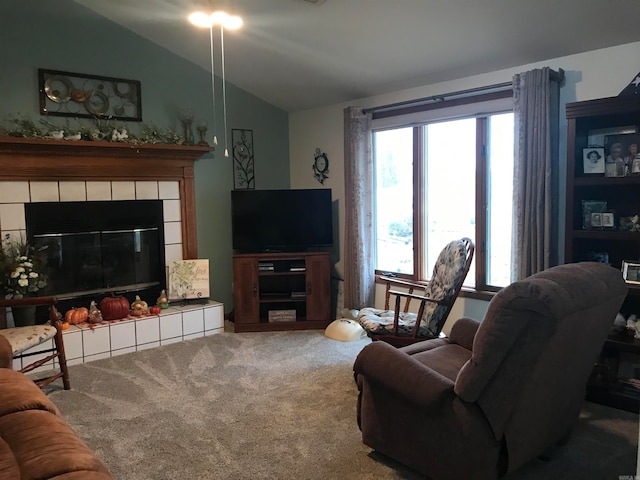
x=264, y=282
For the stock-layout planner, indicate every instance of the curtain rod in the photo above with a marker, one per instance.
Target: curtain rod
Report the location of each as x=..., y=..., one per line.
x=498, y=87
x=440, y=98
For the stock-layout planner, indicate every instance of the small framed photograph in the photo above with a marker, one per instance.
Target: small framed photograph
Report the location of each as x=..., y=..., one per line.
x=596, y=220
x=593, y=160
x=589, y=207
x=621, y=151
x=631, y=271
x=608, y=220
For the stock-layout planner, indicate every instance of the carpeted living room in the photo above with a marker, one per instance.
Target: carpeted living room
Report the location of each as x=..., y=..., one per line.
x=220, y=228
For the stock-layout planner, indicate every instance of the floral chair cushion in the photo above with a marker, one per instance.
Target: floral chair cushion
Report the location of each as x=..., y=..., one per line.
x=448, y=273
x=23, y=338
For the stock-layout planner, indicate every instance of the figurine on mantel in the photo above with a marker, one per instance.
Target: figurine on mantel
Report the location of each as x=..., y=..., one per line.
x=117, y=136
x=58, y=135
x=163, y=300
x=95, y=315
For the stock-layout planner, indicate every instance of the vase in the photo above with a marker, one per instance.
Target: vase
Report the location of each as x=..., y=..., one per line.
x=24, y=316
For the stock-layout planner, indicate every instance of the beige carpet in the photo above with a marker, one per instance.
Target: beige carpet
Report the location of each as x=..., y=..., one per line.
x=270, y=406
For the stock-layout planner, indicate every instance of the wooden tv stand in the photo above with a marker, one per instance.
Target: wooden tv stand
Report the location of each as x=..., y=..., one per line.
x=281, y=291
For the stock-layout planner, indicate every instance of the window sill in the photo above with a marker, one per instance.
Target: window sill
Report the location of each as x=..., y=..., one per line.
x=469, y=292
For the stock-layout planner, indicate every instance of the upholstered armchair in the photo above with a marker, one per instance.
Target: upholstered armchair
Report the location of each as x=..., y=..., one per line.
x=398, y=325
x=494, y=394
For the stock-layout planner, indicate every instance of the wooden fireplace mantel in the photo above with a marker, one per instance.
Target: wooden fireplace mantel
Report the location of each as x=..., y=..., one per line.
x=58, y=160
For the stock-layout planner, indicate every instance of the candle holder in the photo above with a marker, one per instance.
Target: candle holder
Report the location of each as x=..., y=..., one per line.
x=186, y=117
x=202, y=129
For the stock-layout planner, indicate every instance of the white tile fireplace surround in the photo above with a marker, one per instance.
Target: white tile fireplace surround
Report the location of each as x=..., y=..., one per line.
x=176, y=324
x=15, y=194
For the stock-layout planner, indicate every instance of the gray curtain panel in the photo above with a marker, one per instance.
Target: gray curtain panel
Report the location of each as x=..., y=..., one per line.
x=535, y=181
x=359, y=275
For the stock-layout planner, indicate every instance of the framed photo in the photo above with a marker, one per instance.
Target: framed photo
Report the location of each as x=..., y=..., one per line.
x=243, y=158
x=593, y=160
x=608, y=220
x=631, y=271
x=597, y=136
x=596, y=220
x=68, y=94
x=188, y=279
x=621, y=151
x=589, y=207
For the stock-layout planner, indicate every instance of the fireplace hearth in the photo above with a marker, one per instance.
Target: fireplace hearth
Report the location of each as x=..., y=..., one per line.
x=58, y=171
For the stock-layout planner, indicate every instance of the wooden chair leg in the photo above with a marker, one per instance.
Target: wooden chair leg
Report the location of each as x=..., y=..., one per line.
x=59, y=343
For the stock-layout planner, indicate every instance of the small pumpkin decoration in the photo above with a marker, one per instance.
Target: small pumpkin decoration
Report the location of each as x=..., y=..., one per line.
x=139, y=307
x=114, y=308
x=76, y=315
x=155, y=310
x=95, y=315
x=64, y=326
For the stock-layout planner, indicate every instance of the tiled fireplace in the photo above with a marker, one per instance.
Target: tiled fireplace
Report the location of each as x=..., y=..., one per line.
x=65, y=171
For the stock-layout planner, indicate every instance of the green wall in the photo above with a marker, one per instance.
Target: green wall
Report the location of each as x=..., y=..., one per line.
x=63, y=35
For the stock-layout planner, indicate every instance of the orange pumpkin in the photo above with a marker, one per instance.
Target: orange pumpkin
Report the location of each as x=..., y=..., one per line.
x=76, y=315
x=64, y=325
x=154, y=310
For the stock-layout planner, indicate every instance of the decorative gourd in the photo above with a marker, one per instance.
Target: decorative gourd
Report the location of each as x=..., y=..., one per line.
x=76, y=315
x=155, y=310
x=114, y=308
x=139, y=307
x=163, y=300
x=95, y=315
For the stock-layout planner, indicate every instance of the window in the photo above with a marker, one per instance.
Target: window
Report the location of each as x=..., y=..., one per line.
x=444, y=179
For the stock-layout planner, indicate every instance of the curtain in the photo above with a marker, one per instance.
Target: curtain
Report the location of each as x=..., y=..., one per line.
x=535, y=182
x=359, y=274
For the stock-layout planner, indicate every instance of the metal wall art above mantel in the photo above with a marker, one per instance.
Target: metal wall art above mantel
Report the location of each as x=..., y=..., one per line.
x=68, y=94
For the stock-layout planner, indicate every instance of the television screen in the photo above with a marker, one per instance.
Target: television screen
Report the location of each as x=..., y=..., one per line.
x=281, y=220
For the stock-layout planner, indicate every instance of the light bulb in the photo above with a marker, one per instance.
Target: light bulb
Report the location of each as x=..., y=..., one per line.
x=200, y=19
x=233, y=23
x=219, y=17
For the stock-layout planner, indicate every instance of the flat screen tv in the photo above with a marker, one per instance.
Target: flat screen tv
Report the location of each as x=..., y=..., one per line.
x=281, y=220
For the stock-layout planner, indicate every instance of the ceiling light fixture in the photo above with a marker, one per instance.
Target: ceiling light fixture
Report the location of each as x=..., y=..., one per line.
x=221, y=20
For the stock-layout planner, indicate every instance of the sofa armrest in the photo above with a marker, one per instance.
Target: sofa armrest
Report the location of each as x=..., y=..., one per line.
x=18, y=393
x=6, y=353
x=464, y=331
x=385, y=365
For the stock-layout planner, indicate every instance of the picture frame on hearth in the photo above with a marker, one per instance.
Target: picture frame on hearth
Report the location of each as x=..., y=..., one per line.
x=68, y=94
x=188, y=279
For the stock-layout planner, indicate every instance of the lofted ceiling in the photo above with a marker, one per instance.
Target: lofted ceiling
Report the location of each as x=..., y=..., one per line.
x=302, y=54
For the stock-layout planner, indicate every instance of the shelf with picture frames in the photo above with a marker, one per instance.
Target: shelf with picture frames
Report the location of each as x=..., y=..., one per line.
x=603, y=219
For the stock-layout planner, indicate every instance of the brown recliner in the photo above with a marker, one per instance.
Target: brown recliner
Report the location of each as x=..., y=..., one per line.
x=495, y=394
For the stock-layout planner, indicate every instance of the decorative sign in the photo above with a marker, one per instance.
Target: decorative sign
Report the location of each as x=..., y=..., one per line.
x=69, y=94
x=188, y=279
x=243, y=158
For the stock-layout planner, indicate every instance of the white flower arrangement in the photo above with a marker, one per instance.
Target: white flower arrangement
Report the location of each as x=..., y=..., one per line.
x=22, y=269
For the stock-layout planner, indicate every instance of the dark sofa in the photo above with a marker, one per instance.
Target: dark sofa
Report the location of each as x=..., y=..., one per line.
x=496, y=394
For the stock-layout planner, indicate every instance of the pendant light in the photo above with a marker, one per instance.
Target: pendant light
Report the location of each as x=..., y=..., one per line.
x=221, y=20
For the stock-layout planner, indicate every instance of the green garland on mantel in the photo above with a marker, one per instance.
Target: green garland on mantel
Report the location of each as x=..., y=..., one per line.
x=105, y=130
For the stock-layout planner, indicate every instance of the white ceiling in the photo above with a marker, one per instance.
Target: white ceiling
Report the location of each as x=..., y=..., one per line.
x=297, y=56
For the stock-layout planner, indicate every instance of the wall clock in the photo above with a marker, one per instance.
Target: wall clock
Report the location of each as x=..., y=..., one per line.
x=320, y=166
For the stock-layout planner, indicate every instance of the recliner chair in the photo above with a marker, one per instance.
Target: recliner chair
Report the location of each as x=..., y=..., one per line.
x=494, y=394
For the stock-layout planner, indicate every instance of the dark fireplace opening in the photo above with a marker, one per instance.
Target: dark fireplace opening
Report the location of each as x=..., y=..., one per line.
x=99, y=247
